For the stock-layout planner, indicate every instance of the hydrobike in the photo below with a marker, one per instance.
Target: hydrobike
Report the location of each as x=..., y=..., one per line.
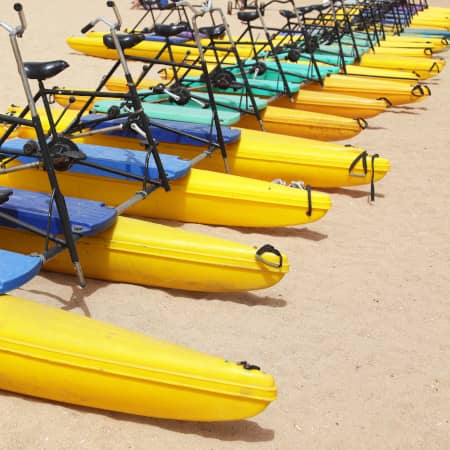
x=61, y=356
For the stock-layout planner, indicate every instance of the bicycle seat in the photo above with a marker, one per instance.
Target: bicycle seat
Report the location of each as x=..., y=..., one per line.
x=216, y=31
x=168, y=30
x=43, y=70
x=125, y=40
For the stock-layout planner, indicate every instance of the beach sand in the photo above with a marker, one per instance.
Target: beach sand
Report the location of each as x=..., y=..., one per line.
x=356, y=335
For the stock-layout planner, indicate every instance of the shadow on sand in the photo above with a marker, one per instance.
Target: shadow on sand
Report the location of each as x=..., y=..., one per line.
x=234, y=431
x=79, y=295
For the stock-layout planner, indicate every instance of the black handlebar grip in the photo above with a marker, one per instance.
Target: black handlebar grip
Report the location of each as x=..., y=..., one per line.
x=18, y=7
x=110, y=3
x=87, y=27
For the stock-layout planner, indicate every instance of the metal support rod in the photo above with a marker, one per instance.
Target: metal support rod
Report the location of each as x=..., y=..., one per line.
x=138, y=197
x=33, y=165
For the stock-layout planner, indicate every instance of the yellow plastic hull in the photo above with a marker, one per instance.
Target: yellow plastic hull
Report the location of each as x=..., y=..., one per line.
x=267, y=156
x=61, y=356
x=202, y=197
x=306, y=124
x=424, y=67
x=428, y=16
x=383, y=74
x=430, y=20
x=430, y=25
x=148, y=254
x=338, y=104
x=397, y=93
x=415, y=52
x=433, y=14
x=436, y=45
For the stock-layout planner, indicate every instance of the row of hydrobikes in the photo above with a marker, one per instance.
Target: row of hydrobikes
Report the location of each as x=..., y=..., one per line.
x=215, y=129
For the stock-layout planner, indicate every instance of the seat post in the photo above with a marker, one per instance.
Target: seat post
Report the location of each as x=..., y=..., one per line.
x=48, y=111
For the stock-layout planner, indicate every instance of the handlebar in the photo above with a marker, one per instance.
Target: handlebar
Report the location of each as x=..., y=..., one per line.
x=23, y=23
x=19, y=30
x=267, y=4
x=111, y=4
x=206, y=6
x=113, y=25
x=88, y=27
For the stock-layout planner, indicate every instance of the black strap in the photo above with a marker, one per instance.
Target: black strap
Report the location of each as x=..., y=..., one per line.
x=388, y=102
x=248, y=366
x=434, y=66
x=361, y=157
x=308, y=191
x=267, y=248
x=362, y=123
x=372, y=183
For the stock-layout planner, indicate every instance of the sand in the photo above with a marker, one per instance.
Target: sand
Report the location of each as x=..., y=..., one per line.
x=357, y=334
